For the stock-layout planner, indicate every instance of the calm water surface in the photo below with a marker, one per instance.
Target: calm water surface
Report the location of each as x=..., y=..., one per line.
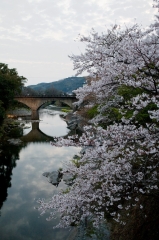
x=23, y=183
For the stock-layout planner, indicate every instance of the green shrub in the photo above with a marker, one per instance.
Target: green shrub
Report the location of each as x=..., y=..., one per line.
x=92, y=112
x=65, y=110
x=127, y=92
x=2, y=112
x=143, y=116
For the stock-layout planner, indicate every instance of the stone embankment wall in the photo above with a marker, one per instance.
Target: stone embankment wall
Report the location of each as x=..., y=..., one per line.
x=75, y=122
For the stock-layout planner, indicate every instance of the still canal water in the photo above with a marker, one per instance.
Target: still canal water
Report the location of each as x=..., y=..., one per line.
x=21, y=171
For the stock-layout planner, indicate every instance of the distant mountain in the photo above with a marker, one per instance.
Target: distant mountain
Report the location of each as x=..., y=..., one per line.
x=66, y=85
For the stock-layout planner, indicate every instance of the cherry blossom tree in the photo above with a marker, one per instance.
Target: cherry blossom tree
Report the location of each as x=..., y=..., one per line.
x=120, y=161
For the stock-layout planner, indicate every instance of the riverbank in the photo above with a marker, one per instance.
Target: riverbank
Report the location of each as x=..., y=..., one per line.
x=10, y=128
x=75, y=122
x=18, y=112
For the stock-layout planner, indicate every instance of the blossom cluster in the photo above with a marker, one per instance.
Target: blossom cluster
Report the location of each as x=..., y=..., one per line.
x=120, y=161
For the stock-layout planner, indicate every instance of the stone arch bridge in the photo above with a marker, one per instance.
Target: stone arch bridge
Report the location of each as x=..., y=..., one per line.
x=35, y=102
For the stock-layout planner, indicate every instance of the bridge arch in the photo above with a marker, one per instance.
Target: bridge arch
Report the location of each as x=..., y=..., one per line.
x=35, y=102
x=59, y=103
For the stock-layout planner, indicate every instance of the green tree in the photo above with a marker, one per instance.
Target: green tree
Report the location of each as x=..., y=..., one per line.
x=10, y=85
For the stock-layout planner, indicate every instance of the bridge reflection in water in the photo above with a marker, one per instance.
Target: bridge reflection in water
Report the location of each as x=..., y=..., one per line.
x=36, y=135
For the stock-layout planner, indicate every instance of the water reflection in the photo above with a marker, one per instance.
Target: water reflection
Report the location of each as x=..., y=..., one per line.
x=36, y=135
x=25, y=183
x=52, y=124
x=48, y=126
x=8, y=157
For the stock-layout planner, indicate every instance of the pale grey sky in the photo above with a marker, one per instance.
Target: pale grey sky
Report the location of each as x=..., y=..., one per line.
x=36, y=36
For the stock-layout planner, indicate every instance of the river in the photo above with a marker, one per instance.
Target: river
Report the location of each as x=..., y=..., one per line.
x=21, y=172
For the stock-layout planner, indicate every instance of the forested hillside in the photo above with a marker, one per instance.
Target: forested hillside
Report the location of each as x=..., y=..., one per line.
x=66, y=85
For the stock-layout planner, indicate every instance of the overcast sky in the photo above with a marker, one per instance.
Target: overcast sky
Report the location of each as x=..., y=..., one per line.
x=36, y=36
